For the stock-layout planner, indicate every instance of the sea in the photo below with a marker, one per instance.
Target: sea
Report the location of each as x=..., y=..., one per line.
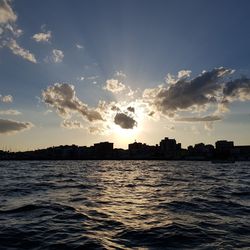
x=124, y=205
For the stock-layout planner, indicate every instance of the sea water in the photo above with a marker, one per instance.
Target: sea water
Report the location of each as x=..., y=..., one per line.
x=124, y=205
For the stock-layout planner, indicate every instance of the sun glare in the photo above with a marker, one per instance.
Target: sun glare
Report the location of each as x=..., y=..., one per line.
x=125, y=136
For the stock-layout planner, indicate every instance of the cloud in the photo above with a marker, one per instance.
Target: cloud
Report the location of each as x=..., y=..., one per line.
x=6, y=98
x=170, y=127
x=57, y=56
x=80, y=78
x=209, y=118
x=185, y=94
x=6, y=13
x=11, y=126
x=62, y=97
x=92, y=77
x=71, y=124
x=100, y=130
x=114, y=86
x=120, y=74
x=79, y=46
x=238, y=89
x=184, y=74
x=9, y=32
x=125, y=121
x=18, y=50
x=10, y=112
x=42, y=37
x=131, y=109
x=208, y=126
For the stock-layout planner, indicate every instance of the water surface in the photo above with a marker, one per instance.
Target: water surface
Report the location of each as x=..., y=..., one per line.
x=124, y=205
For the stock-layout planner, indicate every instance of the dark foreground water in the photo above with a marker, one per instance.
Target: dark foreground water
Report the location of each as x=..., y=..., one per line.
x=124, y=205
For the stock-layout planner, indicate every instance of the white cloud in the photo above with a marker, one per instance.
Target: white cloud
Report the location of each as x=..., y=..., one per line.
x=18, y=50
x=6, y=98
x=57, y=55
x=114, y=86
x=6, y=13
x=42, y=37
x=10, y=32
x=92, y=77
x=80, y=78
x=120, y=74
x=10, y=126
x=10, y=112
x=79, y=46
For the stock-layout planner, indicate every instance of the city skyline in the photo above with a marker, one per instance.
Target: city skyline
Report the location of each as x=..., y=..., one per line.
x=222, y=151
x=88, y=71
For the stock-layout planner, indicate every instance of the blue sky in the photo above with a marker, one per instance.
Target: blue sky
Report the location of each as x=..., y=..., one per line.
x=116, y=51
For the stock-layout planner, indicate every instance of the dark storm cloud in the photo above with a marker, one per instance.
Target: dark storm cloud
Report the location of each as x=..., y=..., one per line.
x=11, y=126
x=125, y=121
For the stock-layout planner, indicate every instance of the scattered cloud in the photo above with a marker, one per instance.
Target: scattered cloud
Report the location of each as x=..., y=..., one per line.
x=238, y=89
x=125, y=121
x=6, y=13
x=10, y=112
x=79, y=46
x=97, y=130
x=131, y=109
x=42, y=37
x=11, y=126
x=209, y=89
x=92, y=77
x=9, y=32
x=120, y=74
x=71, y=124
x=170, y=127
x=80, y=78
x=6, y=98
x=18, y=50
x=47, y=112
x=209, y=126
x=62, y=97
x=57, y=56
x=209, y=118
x=114, y=86
x=186, y=94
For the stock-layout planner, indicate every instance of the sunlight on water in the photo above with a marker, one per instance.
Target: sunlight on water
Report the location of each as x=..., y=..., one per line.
x=124, y=205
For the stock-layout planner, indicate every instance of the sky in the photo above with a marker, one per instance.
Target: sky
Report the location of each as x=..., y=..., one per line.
x=86, y=71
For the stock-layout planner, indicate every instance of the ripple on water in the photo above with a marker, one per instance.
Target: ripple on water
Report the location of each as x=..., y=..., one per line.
x=124, y=205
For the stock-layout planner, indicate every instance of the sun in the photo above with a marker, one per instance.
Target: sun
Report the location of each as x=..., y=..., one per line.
x=125, y=136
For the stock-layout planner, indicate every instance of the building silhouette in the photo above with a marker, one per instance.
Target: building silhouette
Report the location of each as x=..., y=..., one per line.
x=168, y=149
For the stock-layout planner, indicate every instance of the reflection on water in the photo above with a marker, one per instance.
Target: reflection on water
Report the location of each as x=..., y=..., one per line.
x=124, y=205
